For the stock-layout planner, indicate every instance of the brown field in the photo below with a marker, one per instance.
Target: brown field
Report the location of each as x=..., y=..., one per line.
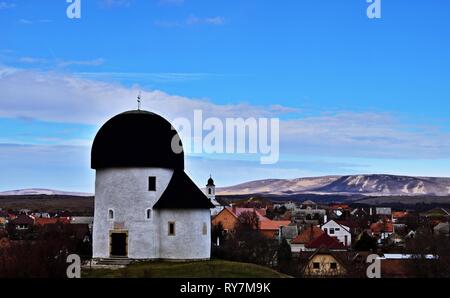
x=82, y=206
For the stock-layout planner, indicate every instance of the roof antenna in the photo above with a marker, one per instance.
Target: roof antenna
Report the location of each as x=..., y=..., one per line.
x=139, y=101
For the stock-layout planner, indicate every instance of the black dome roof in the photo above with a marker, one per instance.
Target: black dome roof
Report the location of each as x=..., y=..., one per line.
x=136, y=139
x=210, y=182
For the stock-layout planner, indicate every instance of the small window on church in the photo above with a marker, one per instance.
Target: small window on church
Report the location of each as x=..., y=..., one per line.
x=171, y=229
x=111, y=214
x=148, y=214
x=209, y=191
x=151, y=183
x=205, y=229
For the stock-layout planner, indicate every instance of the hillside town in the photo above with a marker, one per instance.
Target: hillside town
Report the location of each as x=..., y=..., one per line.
x=334, y=240
x=302, y=239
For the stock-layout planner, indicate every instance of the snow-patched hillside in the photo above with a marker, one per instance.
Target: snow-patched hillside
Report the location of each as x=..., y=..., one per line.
x=41, y=191
x=277, y=186
x=389, y=185
x=379, y=185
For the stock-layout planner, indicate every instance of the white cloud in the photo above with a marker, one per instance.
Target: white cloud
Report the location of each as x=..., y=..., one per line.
x=215, y=21
x=171, y=2
x=6, y=5
x=25, y=21
x=53, y=96
x=29, y=22
x=194, y=20
x=32, y=60
x=95, y=62
x=116, y=3
x=153, y=77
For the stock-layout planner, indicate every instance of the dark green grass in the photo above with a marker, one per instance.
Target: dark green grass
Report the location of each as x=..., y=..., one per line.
x=201, y=269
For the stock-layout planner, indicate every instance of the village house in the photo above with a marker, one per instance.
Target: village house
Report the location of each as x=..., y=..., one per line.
x=306, y=236
x=398, y=215
x=22, y=222
x=341, y=232
x=271, y=228
x=322, y=263
x=229, y=215
x=382, y=229
x=42, y=221
x=290, y=205
x=308, y=210
x=325, y=241
x=228, y=218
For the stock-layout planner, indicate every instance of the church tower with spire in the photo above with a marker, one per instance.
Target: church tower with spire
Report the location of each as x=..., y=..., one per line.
x=211, y=189
x=210, y=193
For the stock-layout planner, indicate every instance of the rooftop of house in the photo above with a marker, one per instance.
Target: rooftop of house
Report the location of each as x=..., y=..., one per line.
x=339, y=206
x=237, y=211
x=399, y=214
x=273, y=224
x=398, y=268
x=382, y=226
x=345, y=258
x=51, y=221
x=325, y=241
x=308, y=235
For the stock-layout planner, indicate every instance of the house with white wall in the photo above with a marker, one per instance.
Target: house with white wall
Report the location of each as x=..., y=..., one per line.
x=341, y=232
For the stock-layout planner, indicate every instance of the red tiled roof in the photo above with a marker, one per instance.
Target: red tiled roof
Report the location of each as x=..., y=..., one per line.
x=399, y=214
x=51, y=221
x=397, y=268
x=273, y=224
x=325, y=241
x=378, y=227
x=339, y=206
x=239, y=210
x=308, y=235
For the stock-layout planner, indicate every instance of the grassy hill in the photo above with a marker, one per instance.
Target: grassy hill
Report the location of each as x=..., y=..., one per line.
x=201, y=269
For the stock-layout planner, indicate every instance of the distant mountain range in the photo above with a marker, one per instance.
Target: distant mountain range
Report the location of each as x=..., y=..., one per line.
x=366, y=185
x=41, y=191
x=369, y=185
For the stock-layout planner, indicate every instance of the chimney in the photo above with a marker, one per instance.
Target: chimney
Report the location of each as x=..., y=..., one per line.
x=325, y=219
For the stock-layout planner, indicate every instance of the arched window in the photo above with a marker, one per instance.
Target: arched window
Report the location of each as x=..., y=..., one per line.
x=171, y=228
x=205, y=229
x=209, y=191
x=148, y=213
x=111, y=214
x=151, y=183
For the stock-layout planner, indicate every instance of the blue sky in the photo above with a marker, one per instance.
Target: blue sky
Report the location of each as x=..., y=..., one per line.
x=354, y=95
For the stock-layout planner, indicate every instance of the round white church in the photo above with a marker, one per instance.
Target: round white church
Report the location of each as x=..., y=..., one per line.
x=146, y=207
